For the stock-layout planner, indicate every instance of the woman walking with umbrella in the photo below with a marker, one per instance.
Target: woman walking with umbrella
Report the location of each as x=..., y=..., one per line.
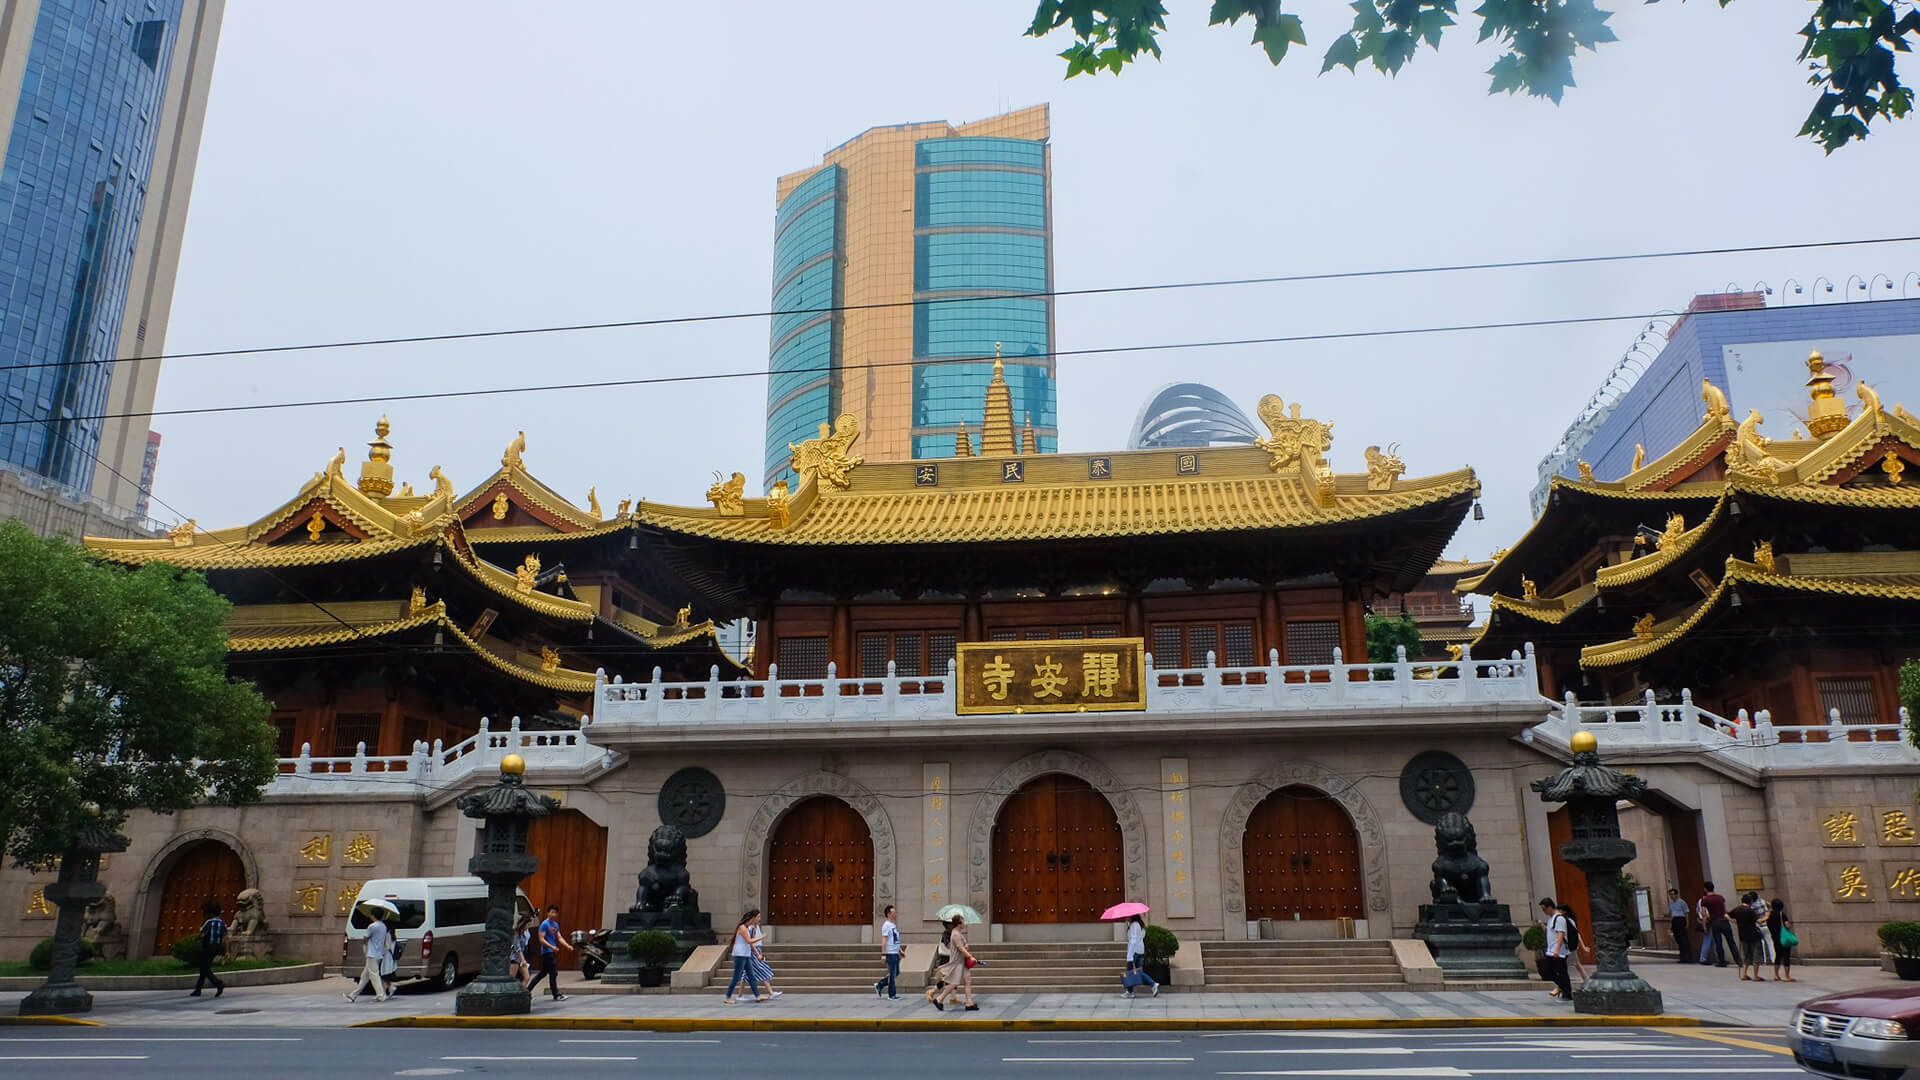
x=1136, y=974
x=379, y=948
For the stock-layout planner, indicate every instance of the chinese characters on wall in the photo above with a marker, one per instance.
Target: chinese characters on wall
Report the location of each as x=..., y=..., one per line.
x=935, y=814
x=313, y=894
x=1178, y=830
x=1090, y=675
x=1855, y=880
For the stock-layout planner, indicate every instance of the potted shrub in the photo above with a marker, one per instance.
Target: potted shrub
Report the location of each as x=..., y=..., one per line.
x=1534, y=940
x=1902, y=942
x=654, y=950
x=1161, y=945
x=41, y=958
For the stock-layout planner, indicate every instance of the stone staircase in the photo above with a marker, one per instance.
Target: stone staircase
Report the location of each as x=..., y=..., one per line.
x=1038, y=968
x=815, y=969
x=1300, y=966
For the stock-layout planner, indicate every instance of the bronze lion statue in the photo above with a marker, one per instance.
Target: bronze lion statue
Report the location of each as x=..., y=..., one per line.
x=1459, y=873
x=665, y=884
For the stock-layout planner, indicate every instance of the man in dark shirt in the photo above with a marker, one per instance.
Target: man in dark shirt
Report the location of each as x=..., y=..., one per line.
x=1713, y=912
x=1750, y=951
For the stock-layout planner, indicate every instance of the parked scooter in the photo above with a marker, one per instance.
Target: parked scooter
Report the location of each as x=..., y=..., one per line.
x=595, y=953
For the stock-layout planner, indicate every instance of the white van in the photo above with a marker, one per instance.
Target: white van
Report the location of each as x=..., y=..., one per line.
x=441, y=928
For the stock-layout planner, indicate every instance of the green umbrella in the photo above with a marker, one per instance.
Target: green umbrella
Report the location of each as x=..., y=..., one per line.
x=962, y=910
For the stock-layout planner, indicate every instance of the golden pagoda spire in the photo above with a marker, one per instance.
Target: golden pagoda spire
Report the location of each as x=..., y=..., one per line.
x=996, y=430
x=962, y=444
x=1028, y=445
x=1826, y=413
x=376, y=473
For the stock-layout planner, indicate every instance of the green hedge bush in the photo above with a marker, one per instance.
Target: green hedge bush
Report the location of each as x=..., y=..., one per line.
x=41, y=958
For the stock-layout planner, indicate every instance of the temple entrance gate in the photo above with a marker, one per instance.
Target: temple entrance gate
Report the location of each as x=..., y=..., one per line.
x=205, y=870
x=820, y=866
x=573, y=867
x=1057, y=853
x=1302, y=858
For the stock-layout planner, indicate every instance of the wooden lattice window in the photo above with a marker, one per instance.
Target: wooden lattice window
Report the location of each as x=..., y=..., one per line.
x=803, y=658
x=1853, y=696
x=1312, y=641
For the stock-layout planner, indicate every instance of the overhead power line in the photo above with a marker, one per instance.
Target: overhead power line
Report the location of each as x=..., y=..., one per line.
x=1106, y=290
x=659, y=380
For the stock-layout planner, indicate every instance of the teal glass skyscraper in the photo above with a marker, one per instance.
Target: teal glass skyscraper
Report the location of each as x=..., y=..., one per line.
x=904, y=259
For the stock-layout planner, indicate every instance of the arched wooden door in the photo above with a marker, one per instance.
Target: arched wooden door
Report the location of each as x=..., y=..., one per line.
x=208, y=870
x=1302, y=858
x=1056, y=853
x=573, y=867
x=820, y=866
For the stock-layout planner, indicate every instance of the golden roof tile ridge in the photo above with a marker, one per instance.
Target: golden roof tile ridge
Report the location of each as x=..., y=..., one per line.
x=1646, y=566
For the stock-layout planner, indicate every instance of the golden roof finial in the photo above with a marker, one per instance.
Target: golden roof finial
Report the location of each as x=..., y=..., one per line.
x=1826, y=413
x=829, y=458
x=962, y=443
x=1029, y=444
x=1716, y=399
x=1639, y=456
x=376, y=473
x=511, y=459
x=593, y=503
x=996, y=427
x=1869, y=400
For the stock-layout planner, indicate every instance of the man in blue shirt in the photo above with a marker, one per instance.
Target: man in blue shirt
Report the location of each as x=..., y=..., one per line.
x=551, y=942
x=213, y=943
x=889, y=952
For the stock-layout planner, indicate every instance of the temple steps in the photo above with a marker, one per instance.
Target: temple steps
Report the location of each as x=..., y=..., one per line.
x=1300, y=966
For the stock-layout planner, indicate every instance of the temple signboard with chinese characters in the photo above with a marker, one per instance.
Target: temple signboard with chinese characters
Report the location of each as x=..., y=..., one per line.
x=1087, y=675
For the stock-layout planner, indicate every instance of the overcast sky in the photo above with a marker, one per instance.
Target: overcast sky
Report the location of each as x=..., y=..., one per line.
x=383, y=169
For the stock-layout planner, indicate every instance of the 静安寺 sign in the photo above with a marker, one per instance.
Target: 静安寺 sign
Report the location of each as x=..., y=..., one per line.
x=1084, y=675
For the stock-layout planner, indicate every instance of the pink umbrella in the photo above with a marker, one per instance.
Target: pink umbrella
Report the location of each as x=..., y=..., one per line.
x=1125, y=911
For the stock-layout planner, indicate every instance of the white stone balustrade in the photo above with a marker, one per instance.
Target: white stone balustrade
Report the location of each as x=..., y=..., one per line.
x=623, y=711
x=891, y=698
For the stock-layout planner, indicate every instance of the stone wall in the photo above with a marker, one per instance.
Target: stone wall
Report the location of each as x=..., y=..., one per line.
x=1853, y=843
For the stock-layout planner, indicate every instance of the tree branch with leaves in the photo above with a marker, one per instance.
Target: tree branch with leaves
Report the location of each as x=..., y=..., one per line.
x=116, y=697
x=1850, y=46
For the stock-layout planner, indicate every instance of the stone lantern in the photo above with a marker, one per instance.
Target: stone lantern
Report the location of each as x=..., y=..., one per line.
x=77, y=887
x=1592, y=792
x=502, y=862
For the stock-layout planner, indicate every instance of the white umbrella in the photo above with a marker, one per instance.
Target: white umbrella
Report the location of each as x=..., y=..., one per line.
x=374, y=903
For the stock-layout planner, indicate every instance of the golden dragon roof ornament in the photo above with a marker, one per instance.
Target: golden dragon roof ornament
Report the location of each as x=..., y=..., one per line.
x=1291, y=437
x=511, y=459
x=829, y=458
x=1717, y=408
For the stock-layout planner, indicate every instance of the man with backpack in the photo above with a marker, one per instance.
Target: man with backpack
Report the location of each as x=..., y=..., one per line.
x=1558, y=947
x=213, y=945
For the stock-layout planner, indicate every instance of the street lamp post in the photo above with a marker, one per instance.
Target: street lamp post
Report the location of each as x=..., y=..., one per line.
x=502, y=862
x=78, y=886
x=1592, y=791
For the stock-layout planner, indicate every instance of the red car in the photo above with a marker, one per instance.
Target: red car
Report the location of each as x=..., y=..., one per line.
x=1874, y=1034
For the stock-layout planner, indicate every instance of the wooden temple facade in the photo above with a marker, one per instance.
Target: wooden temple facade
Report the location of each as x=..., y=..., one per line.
x=1778, y=574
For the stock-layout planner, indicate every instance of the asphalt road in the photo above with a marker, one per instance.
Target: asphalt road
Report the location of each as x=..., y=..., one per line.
x=251, y=1054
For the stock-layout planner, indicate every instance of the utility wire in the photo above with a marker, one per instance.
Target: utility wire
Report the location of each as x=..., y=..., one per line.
x=1273, y=279
x=659, y=380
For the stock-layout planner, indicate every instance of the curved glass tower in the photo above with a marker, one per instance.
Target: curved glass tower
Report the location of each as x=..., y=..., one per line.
x=1190, y=414
x=957, y=217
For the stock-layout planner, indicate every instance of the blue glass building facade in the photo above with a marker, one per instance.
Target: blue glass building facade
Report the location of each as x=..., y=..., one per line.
x=980, y=238
x=72, y=189
x=802, y=351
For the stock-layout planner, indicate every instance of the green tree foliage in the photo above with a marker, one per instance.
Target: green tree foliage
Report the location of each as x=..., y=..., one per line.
x=1386, y=632
x=1910, y=697
x=114, y=694
x=1849, y=46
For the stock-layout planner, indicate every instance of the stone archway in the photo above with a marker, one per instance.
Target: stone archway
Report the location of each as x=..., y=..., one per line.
x=153, y=879
x=819, y=782
x=1133, y=827
x=1341, y=789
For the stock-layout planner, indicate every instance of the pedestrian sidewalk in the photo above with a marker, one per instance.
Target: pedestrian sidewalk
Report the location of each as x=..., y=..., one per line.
x=1704, y=994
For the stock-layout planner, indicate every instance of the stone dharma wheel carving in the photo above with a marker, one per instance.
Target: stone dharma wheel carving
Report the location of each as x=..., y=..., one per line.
x=1435, y=784
x=693, y=801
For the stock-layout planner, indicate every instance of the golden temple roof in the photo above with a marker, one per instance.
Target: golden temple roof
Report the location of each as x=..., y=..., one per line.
x=1880, y=575
x=1144, y=492
x=659, y=635
x=1551, y=610
x=511, y=485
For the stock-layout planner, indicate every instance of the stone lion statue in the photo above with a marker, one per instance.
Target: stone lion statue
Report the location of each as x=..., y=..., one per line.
x=102, y=919
x=665, y=884
x=1459, y=873
x=250, y=912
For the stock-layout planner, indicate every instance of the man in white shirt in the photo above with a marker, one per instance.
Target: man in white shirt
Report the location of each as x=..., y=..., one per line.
x=890, y=953
x=1557, y=950
x=379, y=947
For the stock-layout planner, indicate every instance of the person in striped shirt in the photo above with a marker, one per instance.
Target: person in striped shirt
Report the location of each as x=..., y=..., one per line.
x=213, y=944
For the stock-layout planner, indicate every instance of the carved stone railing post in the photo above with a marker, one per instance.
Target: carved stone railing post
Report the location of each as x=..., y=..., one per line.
x=1338, y=676
x=831, y=691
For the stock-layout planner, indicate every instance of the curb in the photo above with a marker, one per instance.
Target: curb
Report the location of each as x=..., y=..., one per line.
x=837, y=1023
x=48, y=1021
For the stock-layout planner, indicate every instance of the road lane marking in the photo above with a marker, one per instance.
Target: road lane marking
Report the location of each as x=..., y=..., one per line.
x=1452, y=1071
x=1610, y=1050
x=1675, y=1055
x=1101, y=1042
x=644, y=1042
x=1411, y=1070
x=73, y=1057
x=1730, y=1040
x=536, y=1057
x=157, y=1038
x=1087, y=1060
